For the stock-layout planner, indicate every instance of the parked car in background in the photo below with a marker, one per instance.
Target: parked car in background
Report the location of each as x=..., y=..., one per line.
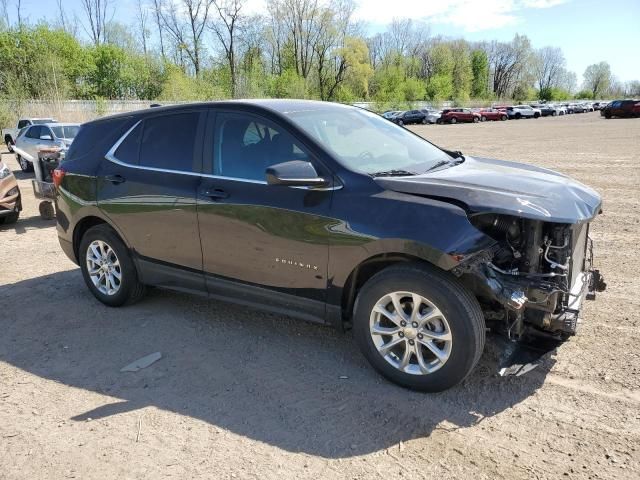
x=10, y=200
x=576, y=108
x=37, y=136
x=492, y=114
x=409, y=117
x=328, y=213
x=457, y=115
x=10, y=134
x=547, y=109
x=391, y=113
x=432, y=115
x=622, y=108
x=523, y=111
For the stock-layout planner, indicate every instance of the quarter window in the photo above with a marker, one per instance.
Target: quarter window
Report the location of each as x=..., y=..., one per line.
x=23, y=123
x=168, y=141
x=129, y=149
x=246, y=145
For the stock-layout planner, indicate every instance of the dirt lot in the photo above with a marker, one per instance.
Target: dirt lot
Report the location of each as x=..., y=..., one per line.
x=244, y=394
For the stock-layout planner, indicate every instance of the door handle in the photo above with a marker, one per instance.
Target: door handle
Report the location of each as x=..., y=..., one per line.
x=115, y=179
x=216, y=194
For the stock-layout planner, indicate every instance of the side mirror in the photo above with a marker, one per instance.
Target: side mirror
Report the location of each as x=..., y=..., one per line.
x=45, y=137
x=296, y=173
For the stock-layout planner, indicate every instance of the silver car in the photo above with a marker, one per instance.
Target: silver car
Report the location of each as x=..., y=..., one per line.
x=35, y=137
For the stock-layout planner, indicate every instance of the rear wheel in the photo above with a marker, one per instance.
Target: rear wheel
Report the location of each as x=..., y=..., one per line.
x=10, y=144
x=400, y=122
x=503, y=118
x=536, y=115
x=476, y=119
x=607, y=115
x=554, y=113
x=453, y=120
x=518, y=116
x=107, y=267
x=483, y=118
x=424, y=121
x=419, y=327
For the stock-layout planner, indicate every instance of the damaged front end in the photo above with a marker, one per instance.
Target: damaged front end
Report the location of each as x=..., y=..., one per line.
x=531, y=284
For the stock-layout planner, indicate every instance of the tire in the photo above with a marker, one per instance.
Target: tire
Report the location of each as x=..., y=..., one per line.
x=400, y=122
x=453, y=121
x=483, y=118
x=536, y=115
x=129, y=290
x=9, y=143
x=607, y=116
x=476, y=119
x=9, y=219
x=518, y=116
x=460, y=315
x=439, y=122
x=504, y=118
x=25, y=165
x=554, y=113
x=424, y=121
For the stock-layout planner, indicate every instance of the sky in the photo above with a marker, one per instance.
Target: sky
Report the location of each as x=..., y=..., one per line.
x=588, y=31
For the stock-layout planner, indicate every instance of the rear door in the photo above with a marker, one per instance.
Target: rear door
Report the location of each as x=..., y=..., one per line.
x=261, y=243
x=147, y=187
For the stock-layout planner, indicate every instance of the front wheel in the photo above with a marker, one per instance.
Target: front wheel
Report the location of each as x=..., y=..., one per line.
x=476, y=119
x=10, y=144
x=424, y=121
x=419, y=327
x=503, y=118
x=483, y=118
x=400, y=122
x=107, y=267
x=453, y=120
x=536, y=115
x=25, y=165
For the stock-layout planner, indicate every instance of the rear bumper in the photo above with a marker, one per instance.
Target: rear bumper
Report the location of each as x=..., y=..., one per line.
x=67, y=248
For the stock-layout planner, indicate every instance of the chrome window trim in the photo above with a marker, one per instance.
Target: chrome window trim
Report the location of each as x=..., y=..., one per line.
x=110, y=156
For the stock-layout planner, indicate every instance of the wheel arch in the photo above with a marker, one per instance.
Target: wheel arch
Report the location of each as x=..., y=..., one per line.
x=85, y=224
x=369, y=267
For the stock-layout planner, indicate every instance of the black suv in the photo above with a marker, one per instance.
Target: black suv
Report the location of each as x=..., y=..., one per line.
x=331, y=214
x=409, y=117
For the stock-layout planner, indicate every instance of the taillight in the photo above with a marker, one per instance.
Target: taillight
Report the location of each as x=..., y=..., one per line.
x=57, y=176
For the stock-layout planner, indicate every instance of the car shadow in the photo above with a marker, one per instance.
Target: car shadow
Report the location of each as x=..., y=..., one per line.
x=27, y=223
x=297, y=386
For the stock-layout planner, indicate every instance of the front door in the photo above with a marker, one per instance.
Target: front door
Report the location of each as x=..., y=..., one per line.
x=147, y=187
x=261, y=244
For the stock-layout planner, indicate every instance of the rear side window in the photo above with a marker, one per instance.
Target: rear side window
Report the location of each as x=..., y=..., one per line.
x=168, y=141
x=23, y=123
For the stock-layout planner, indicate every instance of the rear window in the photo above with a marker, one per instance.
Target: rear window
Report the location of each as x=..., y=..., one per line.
x=168, y=141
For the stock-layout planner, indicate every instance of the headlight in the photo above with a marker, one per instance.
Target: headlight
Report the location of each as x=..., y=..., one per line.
x=4, y=172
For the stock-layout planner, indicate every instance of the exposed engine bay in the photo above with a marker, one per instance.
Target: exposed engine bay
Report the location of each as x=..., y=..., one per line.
x=533, y=280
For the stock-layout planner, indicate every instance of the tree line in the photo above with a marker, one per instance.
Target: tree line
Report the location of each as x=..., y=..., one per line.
x=212, y=49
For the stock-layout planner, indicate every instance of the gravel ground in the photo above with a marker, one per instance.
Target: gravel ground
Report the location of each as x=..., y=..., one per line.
x=244, y=394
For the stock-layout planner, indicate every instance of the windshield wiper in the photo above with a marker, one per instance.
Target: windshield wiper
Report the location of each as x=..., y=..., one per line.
x=393, y=173
x=439, y=164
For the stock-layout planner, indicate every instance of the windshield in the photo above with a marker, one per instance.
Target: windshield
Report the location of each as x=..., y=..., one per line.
x=66, y=131
x=365, y=142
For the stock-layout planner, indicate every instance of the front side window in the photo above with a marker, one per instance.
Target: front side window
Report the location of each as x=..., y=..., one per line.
x=168, y=141
x=364, y=142
x=245, y=145
x=34, y=132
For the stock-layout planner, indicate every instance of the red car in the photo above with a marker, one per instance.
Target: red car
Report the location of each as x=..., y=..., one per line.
x=455, y=115
x=621, y=108
x=492, y=114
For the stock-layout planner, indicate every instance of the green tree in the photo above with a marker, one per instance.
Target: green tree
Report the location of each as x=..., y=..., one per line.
x=480, y=71
x=597, y=78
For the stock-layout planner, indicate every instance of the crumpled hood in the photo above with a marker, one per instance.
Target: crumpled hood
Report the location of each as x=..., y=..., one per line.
x=497, y=186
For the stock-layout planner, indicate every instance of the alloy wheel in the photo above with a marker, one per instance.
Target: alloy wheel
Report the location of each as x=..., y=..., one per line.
x=104, y=267
x=410, y=333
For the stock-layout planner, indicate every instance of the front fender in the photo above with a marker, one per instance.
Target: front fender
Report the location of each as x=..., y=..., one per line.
x=395, y=223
